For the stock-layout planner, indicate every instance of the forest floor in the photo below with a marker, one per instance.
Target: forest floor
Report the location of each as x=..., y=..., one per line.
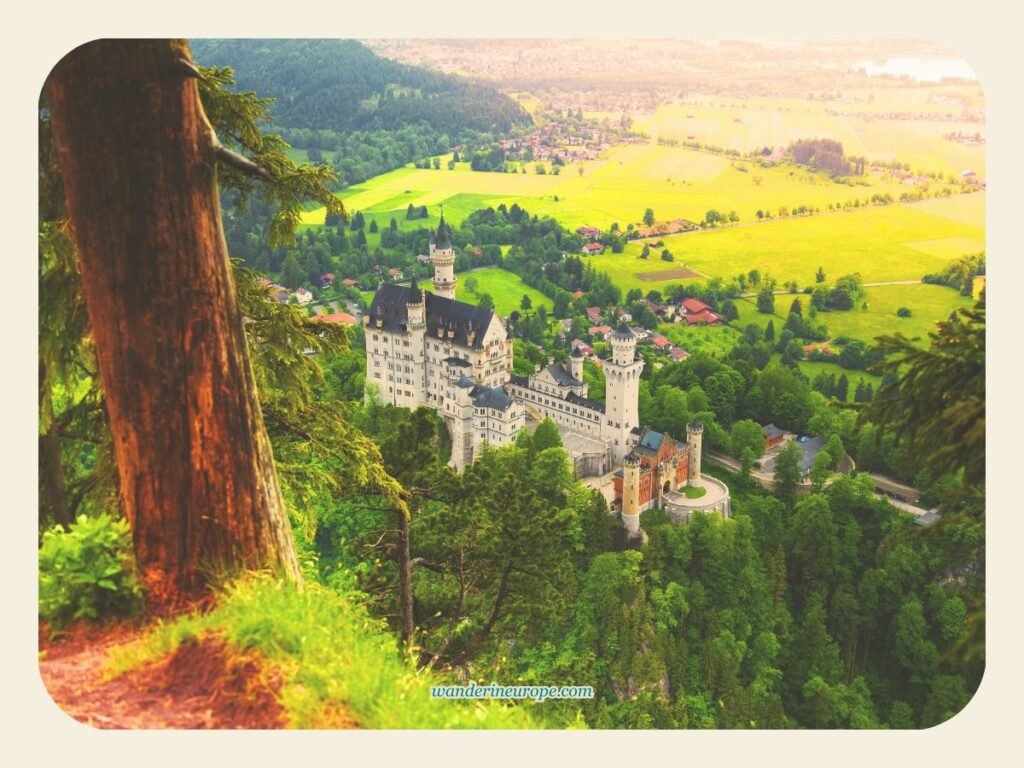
x=203, y=684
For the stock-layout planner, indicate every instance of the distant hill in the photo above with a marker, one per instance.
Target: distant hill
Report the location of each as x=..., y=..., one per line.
x=341, y=85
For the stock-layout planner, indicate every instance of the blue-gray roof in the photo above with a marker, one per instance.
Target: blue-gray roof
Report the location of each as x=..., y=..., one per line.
x=810, y=448
x=389, y=306
x=623, y=332
x=491, y=397
x=651, y=440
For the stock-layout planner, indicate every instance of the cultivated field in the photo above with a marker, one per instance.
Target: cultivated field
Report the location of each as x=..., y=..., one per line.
x=859, y=121
x=675, y=182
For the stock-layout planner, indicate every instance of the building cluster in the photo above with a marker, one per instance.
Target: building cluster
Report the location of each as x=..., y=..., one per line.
x=424, y=348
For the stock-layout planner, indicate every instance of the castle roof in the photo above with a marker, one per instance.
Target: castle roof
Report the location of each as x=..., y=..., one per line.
x=490, y=397
x=415, y=294
x=576, y=352
x=586, y=402
x=623, y=332
x=456, y=317
x=442, y=239
x=650, y=441
x=562, y=377
x=459, y=361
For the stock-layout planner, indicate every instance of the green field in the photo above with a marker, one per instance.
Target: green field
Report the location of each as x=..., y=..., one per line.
x=895, y=242
x=506, y=288
x=674, y=182
x=858, y=121
x=812, y=369
x=928, y=304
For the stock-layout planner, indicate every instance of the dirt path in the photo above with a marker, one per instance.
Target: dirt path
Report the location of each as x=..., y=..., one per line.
x=202, y=685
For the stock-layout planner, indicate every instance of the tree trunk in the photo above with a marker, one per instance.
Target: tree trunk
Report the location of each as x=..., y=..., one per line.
x=136, y=153
x=405, y=596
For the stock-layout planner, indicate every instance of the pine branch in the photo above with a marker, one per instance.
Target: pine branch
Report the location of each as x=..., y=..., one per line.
x=241, y=163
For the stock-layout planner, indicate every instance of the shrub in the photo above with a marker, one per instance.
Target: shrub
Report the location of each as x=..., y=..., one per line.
x=903, y=312
x=87, y=572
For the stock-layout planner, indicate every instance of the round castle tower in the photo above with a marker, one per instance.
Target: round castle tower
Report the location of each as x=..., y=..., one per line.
x=415, y=308
x=576, y=364
x=694, y=435
x=443, y=256
x=631, y=494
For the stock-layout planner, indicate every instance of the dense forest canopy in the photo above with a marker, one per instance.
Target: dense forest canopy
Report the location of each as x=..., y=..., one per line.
x=342, y=85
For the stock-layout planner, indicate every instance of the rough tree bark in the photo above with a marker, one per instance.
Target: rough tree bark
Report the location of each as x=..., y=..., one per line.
x=137, y=156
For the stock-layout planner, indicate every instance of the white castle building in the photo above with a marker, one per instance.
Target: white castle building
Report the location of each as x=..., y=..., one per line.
x=426, y=348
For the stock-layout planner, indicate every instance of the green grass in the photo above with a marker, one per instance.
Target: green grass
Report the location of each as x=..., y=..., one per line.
x=507, y=290
x=693, y=492
x=332, y=656
x=716, y=341
x=876, y=242
x=811, y=369
x=617, y=187
x=928, y=304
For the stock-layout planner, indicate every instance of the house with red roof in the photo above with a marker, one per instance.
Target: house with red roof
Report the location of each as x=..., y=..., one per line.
x=706, y=317
x=693, y=306
x=599, y=330
x=591, y=233
x=678, y=354
x=592, y=249
x=594, y=314
x=341, y=318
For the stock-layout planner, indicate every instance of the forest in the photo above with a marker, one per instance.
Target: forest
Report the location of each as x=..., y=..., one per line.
x=205, y=450
x=375, y=114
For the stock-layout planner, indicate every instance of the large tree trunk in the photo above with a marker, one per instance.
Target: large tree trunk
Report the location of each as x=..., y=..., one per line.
x=136, y=153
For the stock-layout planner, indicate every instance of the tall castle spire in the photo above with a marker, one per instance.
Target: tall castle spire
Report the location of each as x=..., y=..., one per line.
x=443, y=256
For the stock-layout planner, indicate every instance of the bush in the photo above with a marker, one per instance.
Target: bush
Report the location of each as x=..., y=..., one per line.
x=903, y=312
x=87, y=572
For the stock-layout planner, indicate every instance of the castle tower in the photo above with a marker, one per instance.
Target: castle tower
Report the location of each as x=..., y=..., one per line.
x=415, y=307
x=694, y=435
x=576, y=364
x=622, y=393
x=631, y=495
x=443, y=256
x=416, y=327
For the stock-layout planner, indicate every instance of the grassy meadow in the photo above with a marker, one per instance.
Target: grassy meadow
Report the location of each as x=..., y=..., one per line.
x=928, y=304
x=857, y=122
x=675, y=182
x=507, y=290
x=895, y=242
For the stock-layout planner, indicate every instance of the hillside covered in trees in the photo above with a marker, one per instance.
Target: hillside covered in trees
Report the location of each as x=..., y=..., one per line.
x=377, y=114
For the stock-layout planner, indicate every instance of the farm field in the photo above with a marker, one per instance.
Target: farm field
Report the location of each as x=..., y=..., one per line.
x=928, y=304
x=675, y=182
x=507, y=290
x=895, y=242
x=858, y=122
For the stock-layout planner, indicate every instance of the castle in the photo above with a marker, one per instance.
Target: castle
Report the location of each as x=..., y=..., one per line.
x=426, y=348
